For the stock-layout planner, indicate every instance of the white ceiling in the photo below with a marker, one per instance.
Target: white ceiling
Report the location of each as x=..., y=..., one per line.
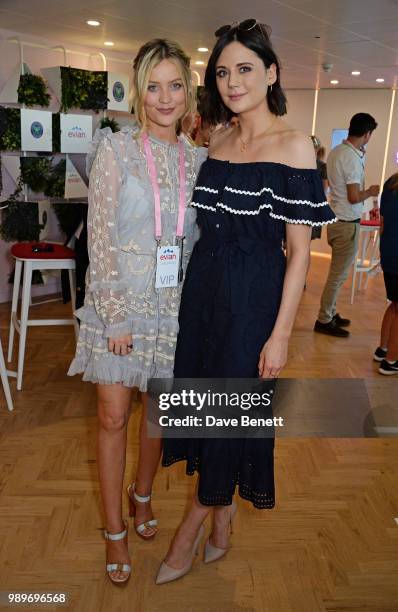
x=353, y=34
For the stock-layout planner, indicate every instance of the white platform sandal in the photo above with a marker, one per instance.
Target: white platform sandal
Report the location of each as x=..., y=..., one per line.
x=133, y=499
x=118, y=567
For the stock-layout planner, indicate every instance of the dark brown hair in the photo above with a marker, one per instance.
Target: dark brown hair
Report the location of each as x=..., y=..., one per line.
x=392, y=182
x=361, y=124
x=257, y=40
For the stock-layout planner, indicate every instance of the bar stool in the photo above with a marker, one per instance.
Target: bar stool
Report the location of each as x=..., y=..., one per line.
x=4, y=373
x=59, y=257
x=368, y=248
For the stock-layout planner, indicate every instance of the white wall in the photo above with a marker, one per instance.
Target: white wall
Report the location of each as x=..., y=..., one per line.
x=300, y=106
x=392, y=165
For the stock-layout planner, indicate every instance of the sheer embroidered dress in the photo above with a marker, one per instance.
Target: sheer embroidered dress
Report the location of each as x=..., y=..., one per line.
x=120, y=296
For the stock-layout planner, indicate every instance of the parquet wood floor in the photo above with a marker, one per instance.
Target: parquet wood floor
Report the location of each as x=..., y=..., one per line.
x=330, y=544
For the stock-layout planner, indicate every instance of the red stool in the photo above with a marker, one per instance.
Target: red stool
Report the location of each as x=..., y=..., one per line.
x=50, y=256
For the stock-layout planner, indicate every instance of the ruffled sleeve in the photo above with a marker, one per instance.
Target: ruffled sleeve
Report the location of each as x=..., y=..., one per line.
x=298, y=197
x=99, y=136
x=284, y=193
x=107, y=284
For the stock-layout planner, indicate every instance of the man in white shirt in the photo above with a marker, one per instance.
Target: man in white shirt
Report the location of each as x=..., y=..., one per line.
x=346, y=172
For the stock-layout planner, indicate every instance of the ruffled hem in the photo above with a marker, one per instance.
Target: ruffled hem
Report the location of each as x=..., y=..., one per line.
x=287, y=194
x=109, y=374
x=297, y=216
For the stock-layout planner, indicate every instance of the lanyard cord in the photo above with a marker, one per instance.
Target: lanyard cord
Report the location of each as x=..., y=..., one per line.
x=156, y=191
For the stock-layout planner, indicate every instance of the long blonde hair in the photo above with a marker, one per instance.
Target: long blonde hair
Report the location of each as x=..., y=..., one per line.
x=147, y=58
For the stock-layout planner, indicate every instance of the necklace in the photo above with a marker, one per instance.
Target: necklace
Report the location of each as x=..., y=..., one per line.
x=244, y=143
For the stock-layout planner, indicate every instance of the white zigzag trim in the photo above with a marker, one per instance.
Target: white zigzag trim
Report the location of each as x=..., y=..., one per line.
x=257, y=212
x=244, y=212
x=298, y=221
x=201, y=188
x=281, y=198
x=203, y=206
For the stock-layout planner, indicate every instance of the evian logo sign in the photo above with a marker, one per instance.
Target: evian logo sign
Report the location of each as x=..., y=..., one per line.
x=168, y=255
x=73, y=179
x=76, y=132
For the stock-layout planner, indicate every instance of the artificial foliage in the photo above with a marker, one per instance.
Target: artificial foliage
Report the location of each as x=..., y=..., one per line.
x=56, y=181
x=68, y=217
x=35, y=172
x=10, y=140
x=39, y=174
x=112, y=123
x=19, y=219
x=32, y=90
x=56, y=132
x=20, y=222
x=3, y=126
x=84, y=89
x=3, y=120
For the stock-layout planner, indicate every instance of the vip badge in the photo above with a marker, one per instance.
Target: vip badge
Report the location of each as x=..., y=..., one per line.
x=167, y=265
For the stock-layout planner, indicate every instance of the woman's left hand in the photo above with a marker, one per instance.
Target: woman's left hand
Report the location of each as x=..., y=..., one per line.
x=273, y=357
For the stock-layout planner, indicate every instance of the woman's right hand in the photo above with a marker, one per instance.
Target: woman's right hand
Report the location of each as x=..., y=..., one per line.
x=121, y=346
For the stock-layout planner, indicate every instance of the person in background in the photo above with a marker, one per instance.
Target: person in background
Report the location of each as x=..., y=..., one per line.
x=316, y=231
x=190, y=126
x=320, y=152
x=322, y=167
x=205, y=130
x=387, y=352
x=346, y=172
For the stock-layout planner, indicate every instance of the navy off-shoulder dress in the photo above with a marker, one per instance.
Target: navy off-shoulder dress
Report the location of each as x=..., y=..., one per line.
x=230, y=303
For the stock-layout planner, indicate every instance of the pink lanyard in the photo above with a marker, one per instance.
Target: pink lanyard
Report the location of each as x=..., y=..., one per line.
x=156, y=191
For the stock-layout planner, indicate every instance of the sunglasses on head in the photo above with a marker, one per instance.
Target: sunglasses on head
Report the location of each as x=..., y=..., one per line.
x=244, y=26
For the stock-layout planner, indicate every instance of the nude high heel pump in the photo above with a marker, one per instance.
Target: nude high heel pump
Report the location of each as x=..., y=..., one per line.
x=213, y=553
x=152, y=524
x=168, y=574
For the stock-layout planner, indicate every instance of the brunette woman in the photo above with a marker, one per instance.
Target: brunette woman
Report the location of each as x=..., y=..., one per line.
x=258, y=188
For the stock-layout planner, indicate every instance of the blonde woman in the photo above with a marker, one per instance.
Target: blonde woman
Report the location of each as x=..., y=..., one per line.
x=140, y=184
